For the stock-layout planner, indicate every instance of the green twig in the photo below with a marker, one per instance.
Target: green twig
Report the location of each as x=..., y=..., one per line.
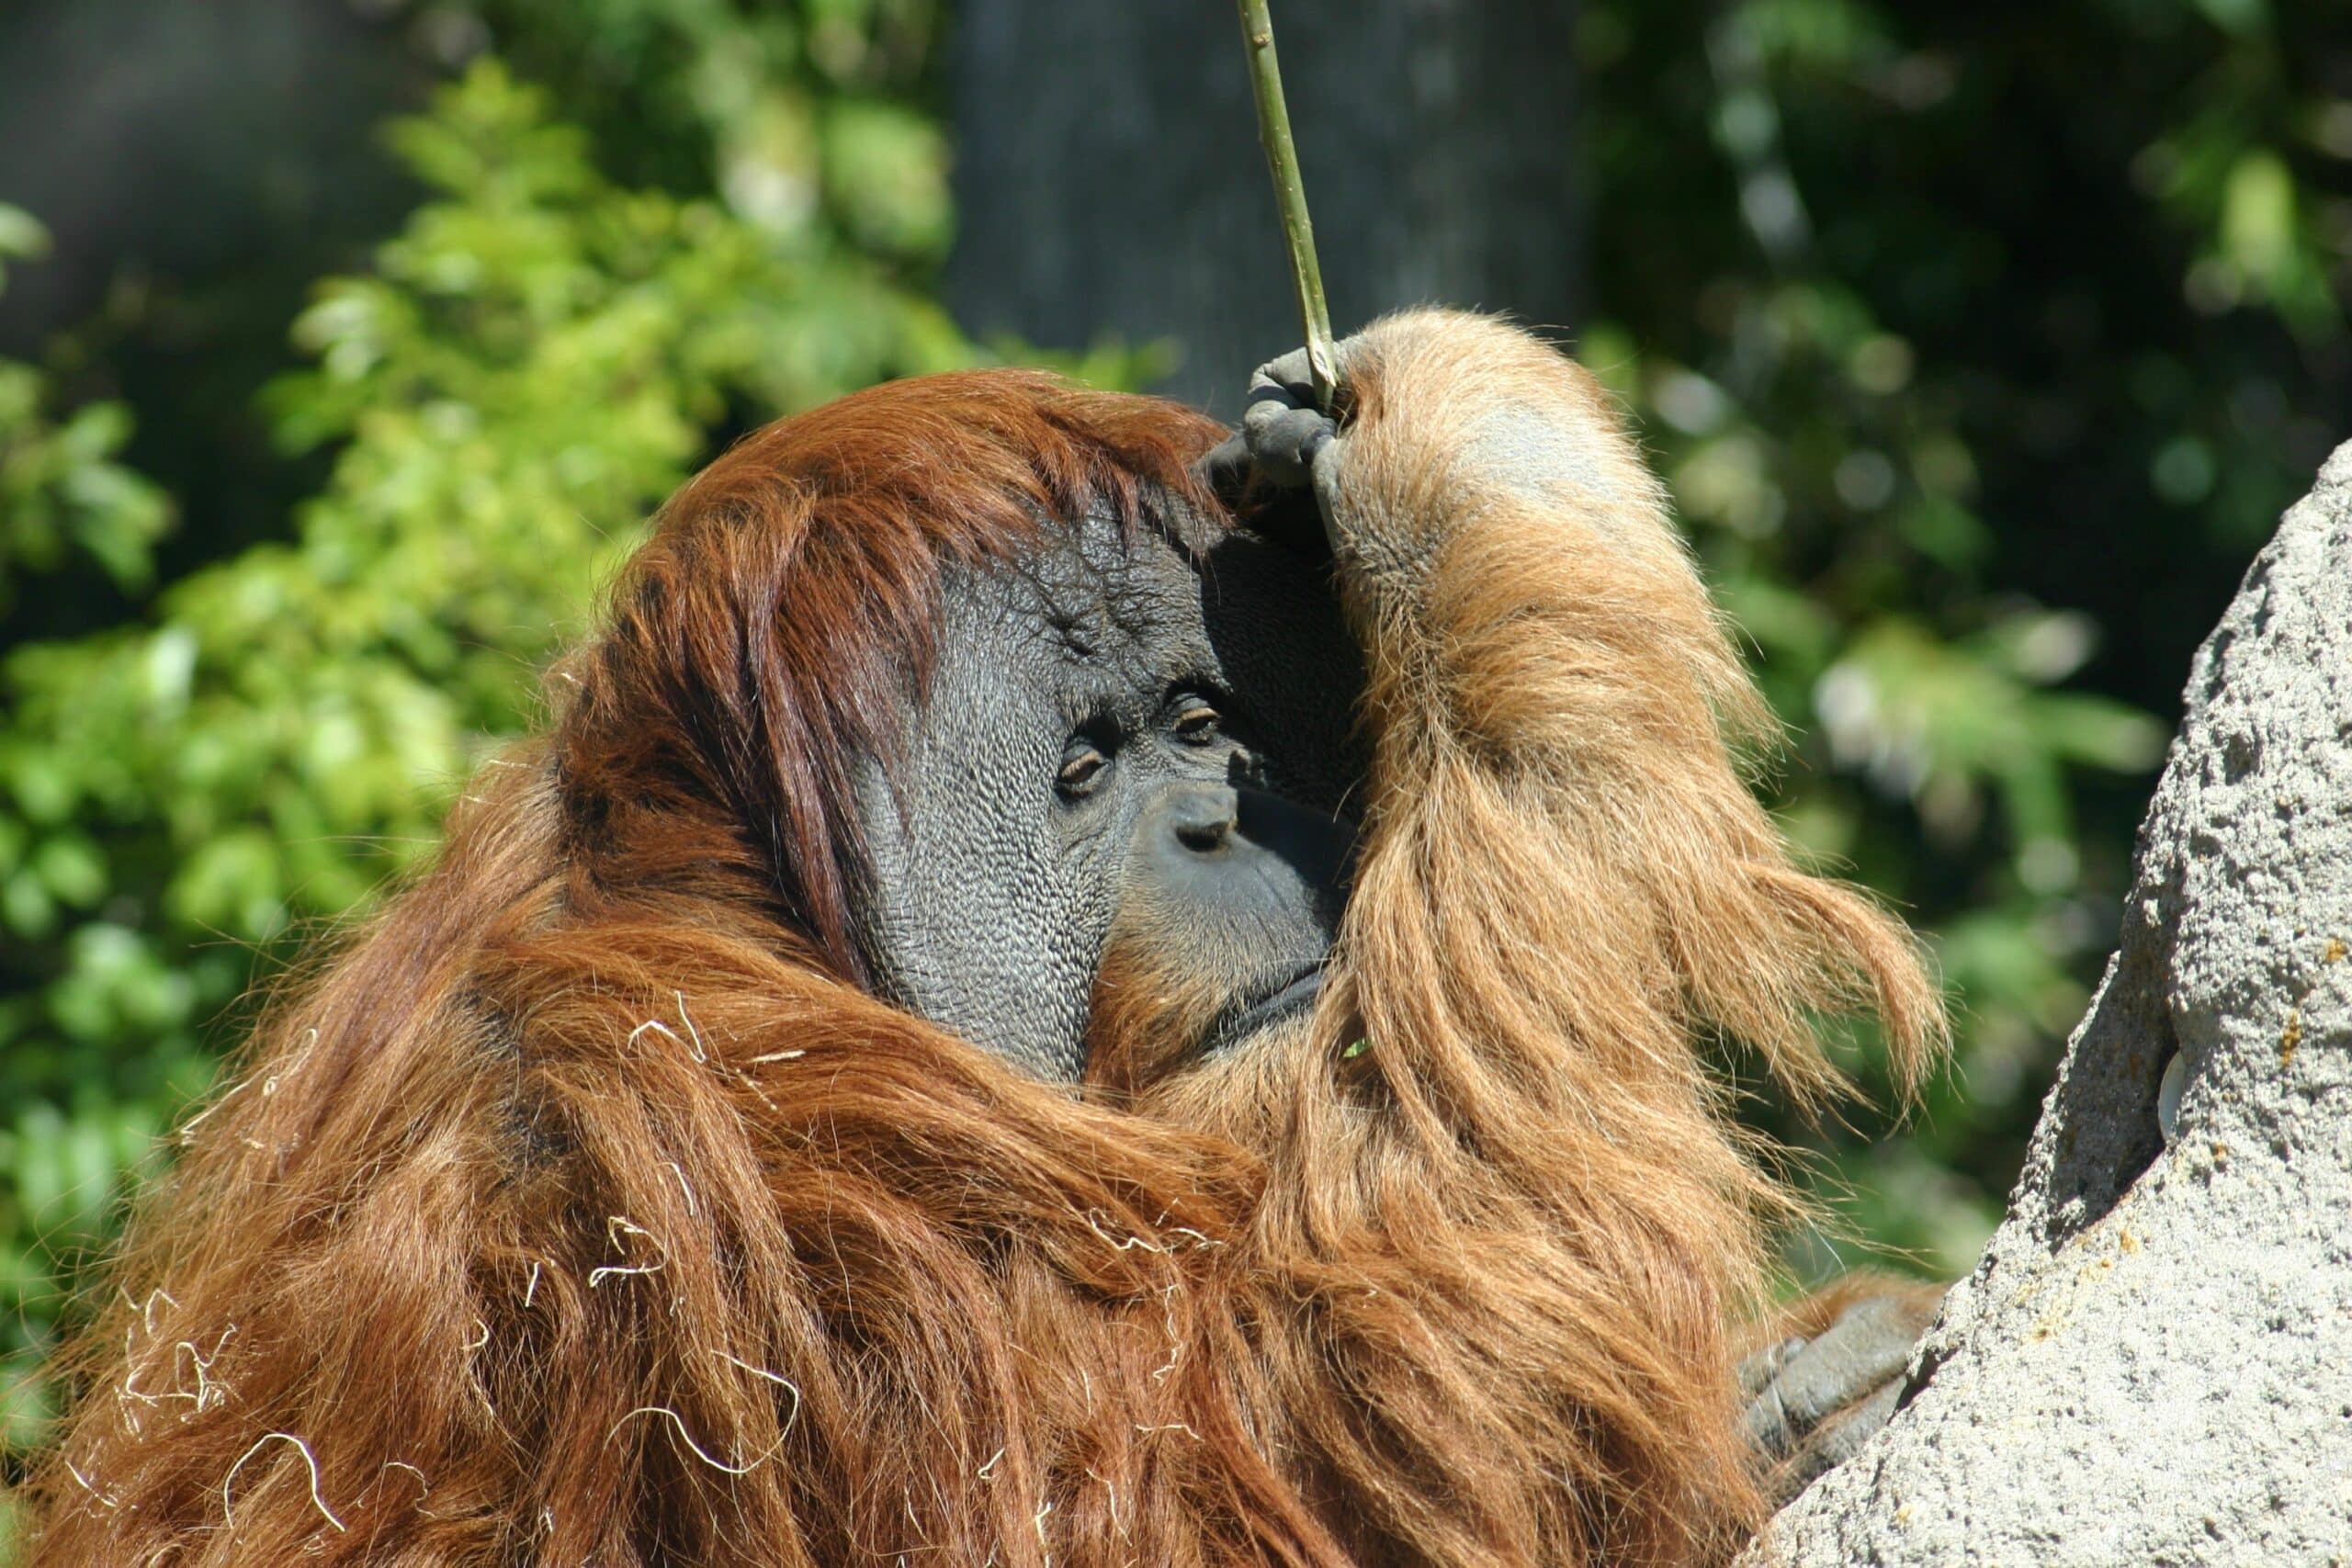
x=1289, y=196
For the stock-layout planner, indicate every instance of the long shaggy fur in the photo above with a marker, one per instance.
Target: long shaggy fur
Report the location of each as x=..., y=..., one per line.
x=586, y=1209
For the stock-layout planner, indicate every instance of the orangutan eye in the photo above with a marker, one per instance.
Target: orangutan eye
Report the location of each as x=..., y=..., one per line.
x=1197, y=724
x=1081, y=769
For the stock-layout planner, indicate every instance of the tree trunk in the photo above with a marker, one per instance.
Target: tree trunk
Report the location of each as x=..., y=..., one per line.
x=1109, y=180
x=2152, y=1362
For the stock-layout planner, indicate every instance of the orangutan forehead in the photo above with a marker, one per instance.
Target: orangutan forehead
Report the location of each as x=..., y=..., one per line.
x=1095, y=591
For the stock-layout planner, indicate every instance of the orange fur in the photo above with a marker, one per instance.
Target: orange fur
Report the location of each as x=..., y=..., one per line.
x=585, y=1209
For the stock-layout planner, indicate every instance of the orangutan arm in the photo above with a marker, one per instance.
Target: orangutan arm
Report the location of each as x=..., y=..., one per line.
x=1532, y=624
x=1529, y=614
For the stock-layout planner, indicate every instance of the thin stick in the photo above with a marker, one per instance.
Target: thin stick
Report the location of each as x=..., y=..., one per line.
x=1289, y=196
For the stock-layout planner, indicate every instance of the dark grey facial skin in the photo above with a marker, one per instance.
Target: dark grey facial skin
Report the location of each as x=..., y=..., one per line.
x=1114, y=733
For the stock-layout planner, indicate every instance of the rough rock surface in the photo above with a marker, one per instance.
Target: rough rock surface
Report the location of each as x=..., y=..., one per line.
x=2152, y=1362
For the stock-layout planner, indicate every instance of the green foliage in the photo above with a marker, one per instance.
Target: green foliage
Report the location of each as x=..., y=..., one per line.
x=61, y=494
x=798, y=116
x=61, y=491
x=1956, y=361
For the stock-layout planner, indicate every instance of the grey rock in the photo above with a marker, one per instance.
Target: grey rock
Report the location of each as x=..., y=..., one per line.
x=2152, y=1362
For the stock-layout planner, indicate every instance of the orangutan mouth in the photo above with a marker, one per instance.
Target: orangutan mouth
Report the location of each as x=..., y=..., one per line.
x=1245, y=1016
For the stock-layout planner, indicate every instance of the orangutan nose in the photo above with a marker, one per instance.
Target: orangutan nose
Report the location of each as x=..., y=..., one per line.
x=1202, y=816
x=1245, y=854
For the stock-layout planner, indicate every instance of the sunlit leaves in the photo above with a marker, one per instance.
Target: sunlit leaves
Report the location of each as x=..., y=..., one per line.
x=62, y=494
x=895, y=162
x=1946, y=723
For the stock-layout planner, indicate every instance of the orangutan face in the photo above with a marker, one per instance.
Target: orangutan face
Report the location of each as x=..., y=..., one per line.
x=1123, y=742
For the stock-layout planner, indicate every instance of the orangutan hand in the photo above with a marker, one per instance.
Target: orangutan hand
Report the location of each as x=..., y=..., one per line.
x=1814, y=1398
x=1445, y=420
